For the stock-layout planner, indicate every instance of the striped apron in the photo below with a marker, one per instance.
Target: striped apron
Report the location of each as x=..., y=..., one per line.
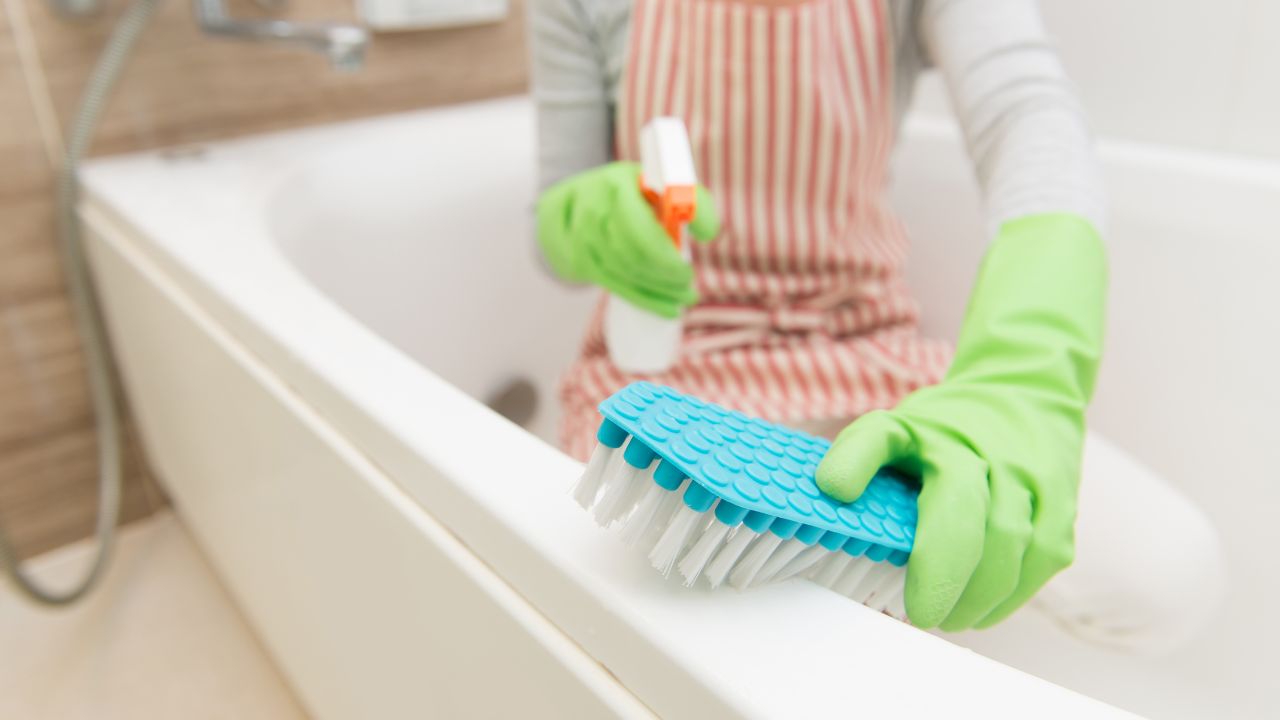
x=804, y=314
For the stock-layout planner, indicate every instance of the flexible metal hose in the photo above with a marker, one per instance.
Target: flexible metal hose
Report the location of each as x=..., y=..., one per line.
x=101, y=373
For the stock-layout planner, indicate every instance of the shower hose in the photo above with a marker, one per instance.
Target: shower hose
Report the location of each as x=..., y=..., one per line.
x=102, y=384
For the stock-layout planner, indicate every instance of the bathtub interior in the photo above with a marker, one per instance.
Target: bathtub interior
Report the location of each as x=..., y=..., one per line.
x=410, y=235
x=441, y=262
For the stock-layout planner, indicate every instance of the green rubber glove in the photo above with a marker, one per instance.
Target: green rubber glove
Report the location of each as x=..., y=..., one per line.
x=997, y=444
x=596, y=227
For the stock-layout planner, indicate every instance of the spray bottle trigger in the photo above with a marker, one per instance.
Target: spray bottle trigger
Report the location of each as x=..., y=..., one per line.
x=675, y=207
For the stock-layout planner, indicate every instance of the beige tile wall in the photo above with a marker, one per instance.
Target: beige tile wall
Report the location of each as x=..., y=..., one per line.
x=180, y=87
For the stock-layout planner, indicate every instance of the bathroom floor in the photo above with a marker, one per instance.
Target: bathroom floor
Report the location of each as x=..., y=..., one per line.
x=160, y=638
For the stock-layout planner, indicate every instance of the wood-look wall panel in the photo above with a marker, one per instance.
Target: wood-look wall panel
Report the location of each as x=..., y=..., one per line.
x=50, y=496
x=184, y=87
x=180, y=87
x=28, y=270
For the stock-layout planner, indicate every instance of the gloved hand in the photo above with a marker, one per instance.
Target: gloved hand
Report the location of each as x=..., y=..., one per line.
x=997, y=444
x=597, y=227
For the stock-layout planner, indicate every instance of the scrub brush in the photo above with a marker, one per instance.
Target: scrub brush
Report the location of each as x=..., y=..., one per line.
x=716, y=494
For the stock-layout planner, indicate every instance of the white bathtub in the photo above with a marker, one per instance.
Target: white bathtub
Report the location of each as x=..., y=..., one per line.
x=305, y=323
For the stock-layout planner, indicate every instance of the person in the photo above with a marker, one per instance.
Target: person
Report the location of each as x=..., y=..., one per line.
x=796, y=308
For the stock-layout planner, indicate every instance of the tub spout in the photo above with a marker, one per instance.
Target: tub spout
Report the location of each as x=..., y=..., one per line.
x=344, y=45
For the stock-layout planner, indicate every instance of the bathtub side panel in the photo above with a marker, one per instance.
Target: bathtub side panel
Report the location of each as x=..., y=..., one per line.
x=370, y=607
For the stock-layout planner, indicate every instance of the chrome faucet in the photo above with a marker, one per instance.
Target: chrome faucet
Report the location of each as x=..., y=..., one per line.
x=344, y=45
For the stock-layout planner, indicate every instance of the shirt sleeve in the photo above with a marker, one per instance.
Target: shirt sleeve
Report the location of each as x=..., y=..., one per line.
x=569, y=87
x=1025, y=129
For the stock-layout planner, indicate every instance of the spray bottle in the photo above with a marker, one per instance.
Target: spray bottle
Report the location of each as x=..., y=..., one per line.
x=638, y=340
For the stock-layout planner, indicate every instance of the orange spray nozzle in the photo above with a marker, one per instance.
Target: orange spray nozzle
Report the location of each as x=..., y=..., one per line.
x=675, y=207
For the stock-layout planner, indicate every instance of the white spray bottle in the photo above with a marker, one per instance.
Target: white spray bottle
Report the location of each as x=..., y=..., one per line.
x=638, y=340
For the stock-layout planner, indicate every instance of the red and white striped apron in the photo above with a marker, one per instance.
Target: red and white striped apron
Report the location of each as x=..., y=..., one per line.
x=804, y=313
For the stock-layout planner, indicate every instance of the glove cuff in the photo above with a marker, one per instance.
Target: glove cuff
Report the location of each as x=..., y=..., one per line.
x=1036, y=315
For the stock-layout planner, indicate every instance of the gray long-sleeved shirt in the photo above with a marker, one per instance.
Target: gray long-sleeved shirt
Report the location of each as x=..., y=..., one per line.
x=1025, y=131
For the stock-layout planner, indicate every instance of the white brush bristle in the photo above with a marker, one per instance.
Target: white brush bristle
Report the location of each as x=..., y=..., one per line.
x=588, y=487
x=667, y=549
x=618, y=488
x=783, y=555
x=829, y=571
x=700, y=554
x=727, y=558
x=615, y=472
x=869, y=582
x=878, y=585
x=851, y=582
x=640, y=520
x=749, y=566
x=635, y=492
x=802, y=562
x=887, y=580
x=667, y=510
x=897, y=606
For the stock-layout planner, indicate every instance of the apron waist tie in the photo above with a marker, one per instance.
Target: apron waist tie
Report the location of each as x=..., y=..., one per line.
x=723, y=326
